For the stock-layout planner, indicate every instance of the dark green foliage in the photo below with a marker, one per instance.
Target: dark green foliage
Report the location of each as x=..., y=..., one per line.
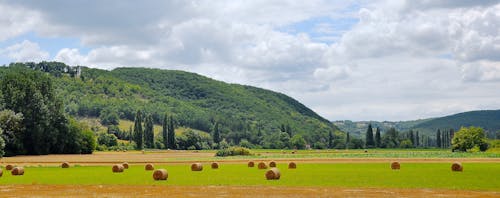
x=417, y=140
x=164, y=131
x=171, y=134
x=233, y=151
x=468, y=138
x=489, y=120
x=216, y=133
x=390, y=139
x=355, y=143
x=194, y=140
x=46, y=129
x=438, y=139
x=370, y=143
x=330, y=139
x=138, y=132
x=11, y=126
x=378, y=140
x=148, y=132
x=298, y=142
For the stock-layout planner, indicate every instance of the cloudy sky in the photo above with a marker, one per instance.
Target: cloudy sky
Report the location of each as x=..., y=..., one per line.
x=357, y=60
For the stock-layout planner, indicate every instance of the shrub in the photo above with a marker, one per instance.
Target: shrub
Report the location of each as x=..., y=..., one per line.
x=233, y=151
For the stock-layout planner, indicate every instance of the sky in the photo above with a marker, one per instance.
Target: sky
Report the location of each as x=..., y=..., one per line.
x=345, y=59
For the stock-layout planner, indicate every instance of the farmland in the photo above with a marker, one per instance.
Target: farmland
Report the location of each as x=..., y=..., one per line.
x=367, y=175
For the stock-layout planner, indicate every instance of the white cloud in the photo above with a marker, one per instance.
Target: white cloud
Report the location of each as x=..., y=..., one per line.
x=401, y=60
x=25, y=51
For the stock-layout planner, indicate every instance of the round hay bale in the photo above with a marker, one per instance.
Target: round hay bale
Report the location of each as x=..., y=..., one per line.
x=149, y=167
x=457, y=166
x=395, y=166
x=9, y=167
x=160, y=174
x=1, y=172
x=292, y=165
x=251, y=164
x=65, y=165
x=17, y=171
x=273, y=174
x=262, y=165
x=272, y=164
x=125, y=165
x=215, y=165
x=117, y=168
x=196, y=167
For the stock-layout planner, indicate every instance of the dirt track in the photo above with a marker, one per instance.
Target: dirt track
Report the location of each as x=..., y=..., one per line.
x=224, y=191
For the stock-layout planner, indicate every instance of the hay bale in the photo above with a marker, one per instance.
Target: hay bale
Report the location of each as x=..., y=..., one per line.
x=65, y=165
x=251, y=164
x=457, y=166
x=125, y=165
x=9, y=167
x=272, y=164
x=292, y=165
x=18, y=171
x=160, y=174
x=273, y=174
x=117, y=168
x=395, y=166
x=215, y=165
x=149, y=167
x=196, y=167
x=262, y=165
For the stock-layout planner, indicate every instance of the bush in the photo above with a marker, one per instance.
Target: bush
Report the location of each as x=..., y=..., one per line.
x=233, y=151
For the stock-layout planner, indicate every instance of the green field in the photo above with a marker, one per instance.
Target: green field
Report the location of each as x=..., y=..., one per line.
x=476, y=176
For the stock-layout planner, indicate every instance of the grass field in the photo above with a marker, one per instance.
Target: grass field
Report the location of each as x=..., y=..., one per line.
x=476, y=176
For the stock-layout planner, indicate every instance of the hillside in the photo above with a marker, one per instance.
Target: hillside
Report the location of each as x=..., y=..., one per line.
x=487, y=119
x=243, y=112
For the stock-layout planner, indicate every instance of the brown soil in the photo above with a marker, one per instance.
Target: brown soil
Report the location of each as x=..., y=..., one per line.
x=224, y=191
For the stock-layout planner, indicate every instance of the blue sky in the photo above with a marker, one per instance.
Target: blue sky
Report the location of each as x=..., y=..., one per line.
x=357, y=60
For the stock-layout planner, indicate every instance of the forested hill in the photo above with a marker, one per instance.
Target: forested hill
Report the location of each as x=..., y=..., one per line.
x=489, y=120
x=195, y=101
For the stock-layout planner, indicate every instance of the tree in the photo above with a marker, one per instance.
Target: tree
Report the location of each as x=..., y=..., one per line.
x=377, y=138
x=330, y=139
x=2, y=144
x=12, y=128
x=347, y=140
x=298, y=142
x=164, y=131
x=369, y=137
x=438, y=138
x=390, y=139
x=109, y=117
x=149, y=137
x=417, y=140
x=171, y=135
x=411, y=138
x=216, y=133
x=138, y=132
x=468, y=138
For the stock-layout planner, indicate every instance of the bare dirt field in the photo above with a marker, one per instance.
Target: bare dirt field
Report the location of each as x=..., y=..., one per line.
x=224, y=191
x=181, y=157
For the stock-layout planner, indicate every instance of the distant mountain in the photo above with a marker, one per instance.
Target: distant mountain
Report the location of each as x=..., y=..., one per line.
x=487, y=119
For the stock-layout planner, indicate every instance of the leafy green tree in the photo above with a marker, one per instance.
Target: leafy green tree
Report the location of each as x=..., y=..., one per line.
x=378, y=140
x=11, y=124
x=417, y=140
x=148, y=132
x=106, y=139
x=370, y=143
x=468, y=138
x=330, y=139
x=347, y=140
x=109, y=117
x=390, y=139
x=2, y=144
x=298, y=142
x=411, y=137
x=406, y=144
x=138, y=132
x=164, y=131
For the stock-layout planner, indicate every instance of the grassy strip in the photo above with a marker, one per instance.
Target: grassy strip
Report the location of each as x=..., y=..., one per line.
x=476, y=176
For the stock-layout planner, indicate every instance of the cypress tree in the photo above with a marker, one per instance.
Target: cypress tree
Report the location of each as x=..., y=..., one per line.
x=216, y=135
x=138, y=132
x=411, y=137
x=148, y=132
x=164, y=131
x=171, y=135
x=438, y=138
x=347, y=140
x=369, y=137
x=330, y=139
x=377, y=138
x=417, y=140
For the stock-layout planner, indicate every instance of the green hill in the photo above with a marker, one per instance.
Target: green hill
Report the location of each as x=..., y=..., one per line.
x=195, y=101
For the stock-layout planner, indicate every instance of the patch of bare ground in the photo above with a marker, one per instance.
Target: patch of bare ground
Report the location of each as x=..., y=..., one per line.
x=225, y=191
